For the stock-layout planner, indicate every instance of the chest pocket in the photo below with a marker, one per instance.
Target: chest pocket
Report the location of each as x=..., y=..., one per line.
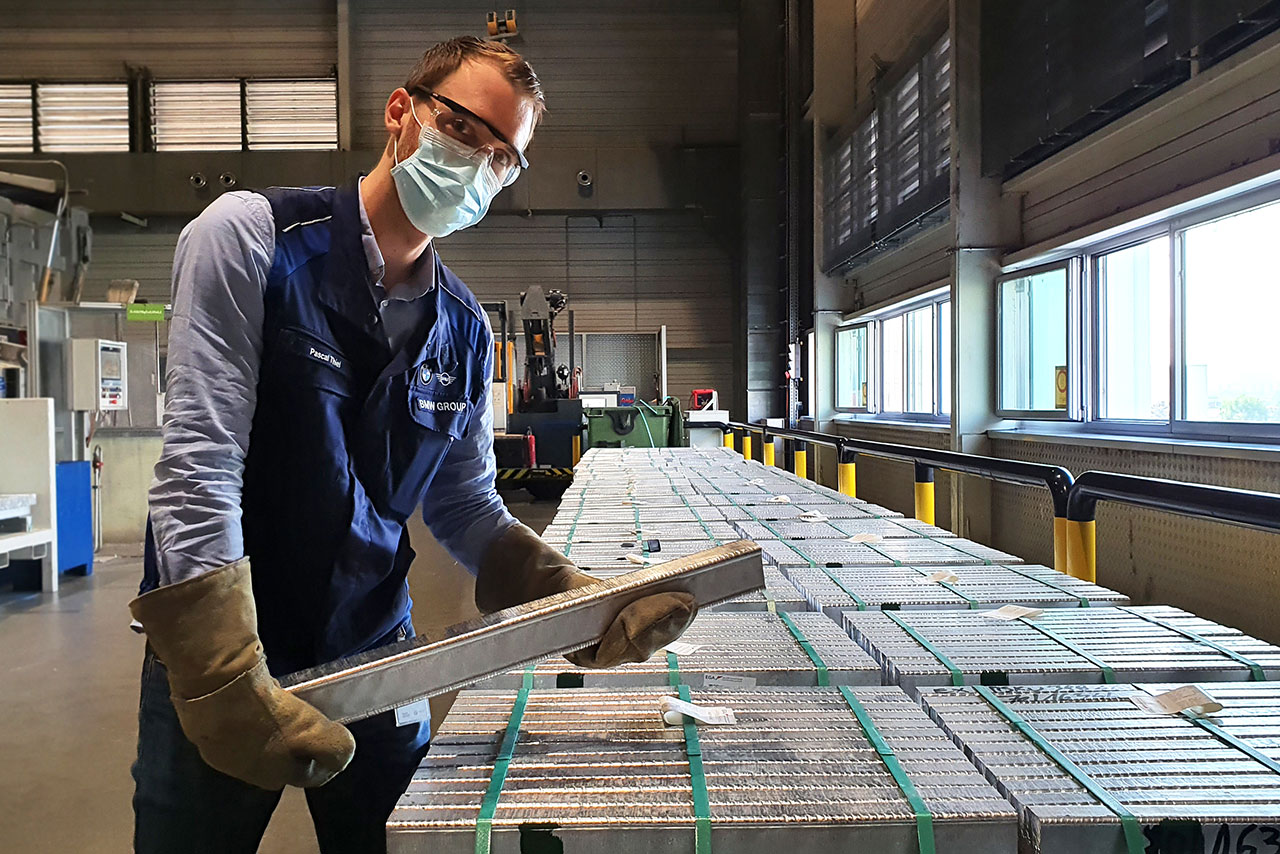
x=312, y=362
x=441, y=400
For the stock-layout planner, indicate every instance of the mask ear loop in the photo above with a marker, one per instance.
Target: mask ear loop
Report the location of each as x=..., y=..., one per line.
x=395, y=149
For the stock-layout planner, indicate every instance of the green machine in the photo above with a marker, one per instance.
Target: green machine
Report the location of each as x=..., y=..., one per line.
x=641, y=426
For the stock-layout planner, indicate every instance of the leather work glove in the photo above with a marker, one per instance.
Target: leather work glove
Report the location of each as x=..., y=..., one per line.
x=205, y=630
x=519, y=567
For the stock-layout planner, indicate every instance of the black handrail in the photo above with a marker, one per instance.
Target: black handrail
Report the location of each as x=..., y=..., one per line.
x=1224, y=504
x=1054, y=478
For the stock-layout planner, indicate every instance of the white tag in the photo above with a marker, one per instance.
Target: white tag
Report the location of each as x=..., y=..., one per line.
x=811, y=516
x=779, y=499
x=1013, y=612
x=757, y=481
x=863, y=538
x=942, y=576
x=724, y=680
x=416, y=712
x=682, y=648
x=640, y=559
x=1188, y=698
x=674, y=711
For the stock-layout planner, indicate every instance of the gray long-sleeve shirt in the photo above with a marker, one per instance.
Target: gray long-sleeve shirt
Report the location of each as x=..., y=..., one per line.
x=215, y=348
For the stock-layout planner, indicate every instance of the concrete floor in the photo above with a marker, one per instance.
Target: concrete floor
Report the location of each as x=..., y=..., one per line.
x=69, y=700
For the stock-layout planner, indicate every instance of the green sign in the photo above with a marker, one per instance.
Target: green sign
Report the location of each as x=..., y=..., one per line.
x=146, y=312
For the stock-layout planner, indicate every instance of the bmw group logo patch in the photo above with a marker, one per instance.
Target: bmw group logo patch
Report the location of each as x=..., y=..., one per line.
x=424, y=375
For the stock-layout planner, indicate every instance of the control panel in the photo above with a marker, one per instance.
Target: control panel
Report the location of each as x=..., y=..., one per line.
x=96, y=375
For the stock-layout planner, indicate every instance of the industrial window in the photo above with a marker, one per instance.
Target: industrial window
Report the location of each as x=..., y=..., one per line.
x=896, y=362
x=1181, y=318
x=17, y=131
x=1034, y=334
x=82, y=117
x=291, y=114
x=202, y=116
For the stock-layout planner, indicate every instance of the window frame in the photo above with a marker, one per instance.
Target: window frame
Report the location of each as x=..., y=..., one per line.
x=1074, y=411
x=868, y=369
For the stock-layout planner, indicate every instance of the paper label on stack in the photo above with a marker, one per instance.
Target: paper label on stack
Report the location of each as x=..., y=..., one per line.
x=1013, y=612
x=414, y=713
x=863, y=538
x=942, y=576
x=779, y=499
x=1188, y=698
x=811, y=516
x=682, y=648
x=674, y=710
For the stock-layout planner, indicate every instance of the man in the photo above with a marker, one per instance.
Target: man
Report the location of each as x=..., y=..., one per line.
x=327, y=373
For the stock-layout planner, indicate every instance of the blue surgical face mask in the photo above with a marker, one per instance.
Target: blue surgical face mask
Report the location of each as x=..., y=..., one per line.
x=445, y=185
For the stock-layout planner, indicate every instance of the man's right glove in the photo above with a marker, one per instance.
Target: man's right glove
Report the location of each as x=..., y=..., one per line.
x=520, y=567
x=205, y=630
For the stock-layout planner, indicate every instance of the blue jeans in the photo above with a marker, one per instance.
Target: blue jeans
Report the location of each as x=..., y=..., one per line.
x=181, y=804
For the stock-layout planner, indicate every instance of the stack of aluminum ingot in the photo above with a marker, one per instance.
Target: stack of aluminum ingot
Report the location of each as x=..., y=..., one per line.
x=1153, y=643
x=1082, y=762
x=595, y=771
x=594, y=766
x=740, y=650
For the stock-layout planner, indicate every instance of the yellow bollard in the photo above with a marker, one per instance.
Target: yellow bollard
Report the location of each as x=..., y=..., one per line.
x=847, y=477
x=802, y=463
x=769, y=453
x=1082, y=549
x=1060, y=544
x=924, y=502
x=577, y=449
x=746, y=446
x=728, y=439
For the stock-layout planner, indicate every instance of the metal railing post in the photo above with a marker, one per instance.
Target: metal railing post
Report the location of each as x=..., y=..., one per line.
x=847, y=471
x=924, y=493
x=770, y=452
x=746, y=444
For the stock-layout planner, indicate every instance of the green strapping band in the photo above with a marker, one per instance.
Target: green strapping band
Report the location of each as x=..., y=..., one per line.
x=1226, y=737
x=1134, y=841
x=973, y=603
x=924, y=818
x=857, y=600
x=1082, y=601
x=1256, y=673
x=582, y=503
x=489, y=804
x=698, y=779
x=883, y=554
x=957, y=676
x=1108, y=674
x=824, y=678
x=673, y=670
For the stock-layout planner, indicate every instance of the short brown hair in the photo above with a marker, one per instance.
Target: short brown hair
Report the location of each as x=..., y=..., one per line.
x=445, y=58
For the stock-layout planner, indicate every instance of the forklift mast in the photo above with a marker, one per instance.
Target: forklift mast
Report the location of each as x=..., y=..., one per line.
x=541, y=385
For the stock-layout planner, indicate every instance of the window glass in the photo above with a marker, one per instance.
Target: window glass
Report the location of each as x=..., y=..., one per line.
x=893, y=374
x=851, y=368
x=1232, y=298
x=944, y=357
x=294, y=114
x=1133, y=303
x=196, y=116
x=15, y=118
x=920, y=343
x=1033, y=342
x=82, y=116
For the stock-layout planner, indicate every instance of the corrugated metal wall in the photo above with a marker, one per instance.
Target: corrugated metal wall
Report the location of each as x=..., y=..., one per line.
x=659, y=72
x=1220, y=571
x=624, y=275
x=182, y=39
x=124, y=251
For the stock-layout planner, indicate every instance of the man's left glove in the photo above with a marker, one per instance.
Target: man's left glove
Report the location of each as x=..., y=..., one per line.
x=519, y=567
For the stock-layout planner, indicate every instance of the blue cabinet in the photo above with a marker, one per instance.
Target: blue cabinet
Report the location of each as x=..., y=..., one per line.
x=75, y=517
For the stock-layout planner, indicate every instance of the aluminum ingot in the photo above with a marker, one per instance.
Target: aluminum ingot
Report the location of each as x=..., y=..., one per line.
x=391, y=676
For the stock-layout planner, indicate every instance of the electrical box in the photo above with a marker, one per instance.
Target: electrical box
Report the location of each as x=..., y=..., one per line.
x=96, y=376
